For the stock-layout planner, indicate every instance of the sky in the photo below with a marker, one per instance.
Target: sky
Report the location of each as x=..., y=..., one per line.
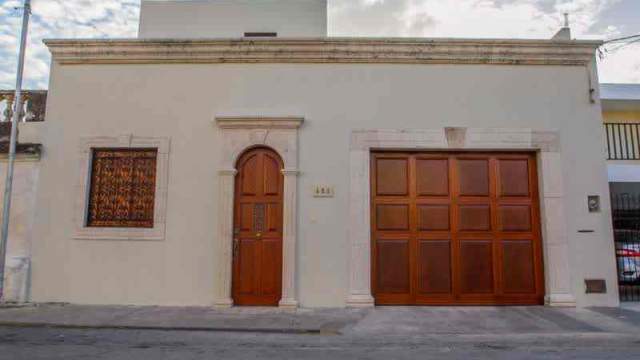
x=590, y=19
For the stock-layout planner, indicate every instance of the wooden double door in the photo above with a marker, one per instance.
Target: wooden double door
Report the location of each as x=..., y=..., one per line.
x=455, y=228
x=257, y=243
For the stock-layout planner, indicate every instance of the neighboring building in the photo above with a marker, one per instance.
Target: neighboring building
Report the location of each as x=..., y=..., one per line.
x=25, y=181
x=320, y=172
x=233, y=19
x=621, y=113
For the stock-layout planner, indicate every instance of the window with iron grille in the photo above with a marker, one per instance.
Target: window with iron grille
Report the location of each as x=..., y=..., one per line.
x=122, y=189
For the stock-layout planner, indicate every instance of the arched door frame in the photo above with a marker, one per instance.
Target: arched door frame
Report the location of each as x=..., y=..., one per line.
x=237, y=135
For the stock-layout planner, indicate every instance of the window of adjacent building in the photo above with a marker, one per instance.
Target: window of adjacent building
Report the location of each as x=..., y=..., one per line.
x=123, y=188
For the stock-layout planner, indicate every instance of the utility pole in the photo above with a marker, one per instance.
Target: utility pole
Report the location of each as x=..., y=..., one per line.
x=17, y=112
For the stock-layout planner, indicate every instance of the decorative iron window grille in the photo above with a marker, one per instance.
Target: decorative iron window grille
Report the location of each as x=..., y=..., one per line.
x=122, y=192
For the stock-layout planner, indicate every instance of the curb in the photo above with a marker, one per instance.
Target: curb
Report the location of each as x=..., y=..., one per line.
x=168, y=328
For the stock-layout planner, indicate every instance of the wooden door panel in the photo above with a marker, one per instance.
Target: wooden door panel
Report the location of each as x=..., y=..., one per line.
x=392, y=217
x=249, y=176
x=247, y=253
x=271, y=179
x=246, y=217
x=518, y=271
x=392, y=177
x=257, y=255
x=274, y=217
x=474, y=218
x=432, y=177
x=393, y=266
x=515, y=218
x=270, y=274
x=473, y=177
x=434, y=267
x=455, y=228
x=433, y=218
x=476, y=267
x=514, y=177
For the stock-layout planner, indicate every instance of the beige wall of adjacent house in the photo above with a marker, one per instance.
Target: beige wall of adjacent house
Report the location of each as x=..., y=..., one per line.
x=232, y=18
x=18, y=258
x=627, y=117
x=181, y=102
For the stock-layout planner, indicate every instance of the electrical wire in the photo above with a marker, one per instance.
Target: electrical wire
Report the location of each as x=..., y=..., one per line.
x=631, y=37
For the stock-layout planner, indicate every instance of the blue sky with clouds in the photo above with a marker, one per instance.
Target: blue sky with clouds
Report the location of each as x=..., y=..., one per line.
x=591, y=19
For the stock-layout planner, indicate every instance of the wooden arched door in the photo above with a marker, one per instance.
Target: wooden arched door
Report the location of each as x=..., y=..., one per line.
x=257, y=243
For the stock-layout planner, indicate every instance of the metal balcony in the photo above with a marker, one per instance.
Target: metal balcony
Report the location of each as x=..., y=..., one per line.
x=623, y=141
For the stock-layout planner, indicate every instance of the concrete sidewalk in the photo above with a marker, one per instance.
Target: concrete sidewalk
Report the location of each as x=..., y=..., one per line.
x=262, y=320
x=402, y=321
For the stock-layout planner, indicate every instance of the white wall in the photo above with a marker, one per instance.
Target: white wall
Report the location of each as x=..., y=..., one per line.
x=180, y=101
x=18, y=260
x=232, y=18
x=624, y=171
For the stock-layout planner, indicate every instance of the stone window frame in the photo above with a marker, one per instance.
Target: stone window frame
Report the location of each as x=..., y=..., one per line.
x=85, y=151
x=546, y=144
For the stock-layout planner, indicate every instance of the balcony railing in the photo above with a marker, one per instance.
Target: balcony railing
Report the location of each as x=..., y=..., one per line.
x=34, y=105
x=623, y=141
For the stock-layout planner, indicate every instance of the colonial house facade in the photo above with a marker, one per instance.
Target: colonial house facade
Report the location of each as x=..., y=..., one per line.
x=234, y=154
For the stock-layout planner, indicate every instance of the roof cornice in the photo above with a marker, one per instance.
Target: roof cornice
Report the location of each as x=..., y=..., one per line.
x=324, y=50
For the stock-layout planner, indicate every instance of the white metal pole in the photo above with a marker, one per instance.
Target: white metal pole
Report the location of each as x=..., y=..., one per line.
x=17, y=112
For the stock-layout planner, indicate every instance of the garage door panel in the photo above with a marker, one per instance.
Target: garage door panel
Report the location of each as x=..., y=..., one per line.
x=473, y=177
x=434, y=267
x=392, y=177
x=515, y=218
x=474, y=218
x=455, y=228
x=432, y=177
x=434, y=217
x=518, y=270
x=476, y=267
x=393, y=266
x=392, y=217
x=513, y=177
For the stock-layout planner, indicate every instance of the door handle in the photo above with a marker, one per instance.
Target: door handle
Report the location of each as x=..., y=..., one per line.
x=258, y=234
x=236, y=247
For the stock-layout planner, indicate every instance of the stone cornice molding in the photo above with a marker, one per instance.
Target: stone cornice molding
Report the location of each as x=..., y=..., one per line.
x=324, y=50
x=244, y=122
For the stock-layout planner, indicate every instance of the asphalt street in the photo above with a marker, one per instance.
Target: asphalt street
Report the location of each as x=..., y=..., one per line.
x=47, y=343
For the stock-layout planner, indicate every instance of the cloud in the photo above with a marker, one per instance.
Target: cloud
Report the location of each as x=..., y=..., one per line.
x=416, y=18
x=58, y=19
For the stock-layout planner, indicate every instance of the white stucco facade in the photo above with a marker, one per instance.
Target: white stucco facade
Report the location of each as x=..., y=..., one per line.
x=232, y=18
x=348, y=102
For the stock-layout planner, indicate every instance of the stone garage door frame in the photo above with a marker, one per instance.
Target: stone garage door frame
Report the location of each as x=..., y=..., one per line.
x=545, y=143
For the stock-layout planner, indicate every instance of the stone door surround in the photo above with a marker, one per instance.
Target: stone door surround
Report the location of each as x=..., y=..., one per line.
x=545, y=143
x=238, y=134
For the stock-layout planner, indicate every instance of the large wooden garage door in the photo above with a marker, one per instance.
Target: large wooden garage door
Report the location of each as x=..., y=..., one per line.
x=455, y=228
